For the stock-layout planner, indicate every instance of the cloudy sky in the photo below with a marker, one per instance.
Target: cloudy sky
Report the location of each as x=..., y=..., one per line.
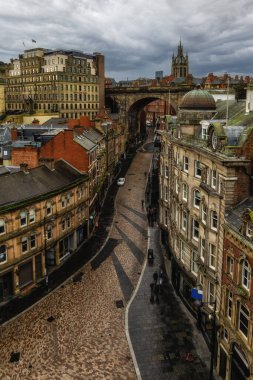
x=137, y=37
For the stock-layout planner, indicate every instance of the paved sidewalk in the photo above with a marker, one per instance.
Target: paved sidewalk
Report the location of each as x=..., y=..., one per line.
x=164, y=335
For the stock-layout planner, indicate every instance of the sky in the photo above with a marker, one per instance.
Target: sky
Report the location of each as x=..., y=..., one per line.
x=137, y=37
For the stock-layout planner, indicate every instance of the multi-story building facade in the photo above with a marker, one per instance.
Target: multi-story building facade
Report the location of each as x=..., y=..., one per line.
x=66, y=83
x=44, y=217
x=205, y=169
x=235, y=359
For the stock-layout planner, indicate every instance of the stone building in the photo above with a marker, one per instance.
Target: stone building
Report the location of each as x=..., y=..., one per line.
x=205, y=170
x=44, y=217
x=61, y=82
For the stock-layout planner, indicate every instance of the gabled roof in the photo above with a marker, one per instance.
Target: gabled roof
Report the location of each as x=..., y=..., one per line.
x=39, y=181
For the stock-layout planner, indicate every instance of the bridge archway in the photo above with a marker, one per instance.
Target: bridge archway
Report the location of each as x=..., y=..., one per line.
x=131, y=109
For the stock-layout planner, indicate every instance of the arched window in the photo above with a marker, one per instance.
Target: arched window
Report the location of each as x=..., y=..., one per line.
x=3, y=254
x=2, y=226
x=246, y=274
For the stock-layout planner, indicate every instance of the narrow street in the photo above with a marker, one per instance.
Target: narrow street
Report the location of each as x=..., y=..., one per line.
x=85, y=336
x=78, y=331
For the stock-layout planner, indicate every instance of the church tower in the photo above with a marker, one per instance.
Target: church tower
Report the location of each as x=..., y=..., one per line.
x=180, y=63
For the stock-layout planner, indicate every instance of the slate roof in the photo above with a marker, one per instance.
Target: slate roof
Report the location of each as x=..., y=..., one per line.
x=93, y=135
x=85, y=142
x=20, y=186
x=56, y=122
x=234, y=216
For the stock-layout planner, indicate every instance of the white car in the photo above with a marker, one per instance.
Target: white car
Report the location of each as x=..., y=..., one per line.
x=121, y=181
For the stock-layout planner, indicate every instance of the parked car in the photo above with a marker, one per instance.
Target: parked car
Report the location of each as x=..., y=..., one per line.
x=121, y=181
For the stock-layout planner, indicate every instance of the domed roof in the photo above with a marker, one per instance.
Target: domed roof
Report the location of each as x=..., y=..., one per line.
x=198, y=100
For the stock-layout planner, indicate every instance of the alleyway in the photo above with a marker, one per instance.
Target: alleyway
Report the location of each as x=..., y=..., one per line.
x=78, y=331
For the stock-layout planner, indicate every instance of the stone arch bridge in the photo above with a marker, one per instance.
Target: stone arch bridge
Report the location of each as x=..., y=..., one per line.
x=128, y=102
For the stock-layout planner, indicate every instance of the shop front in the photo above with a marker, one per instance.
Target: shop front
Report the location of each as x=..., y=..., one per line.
x=25, y=274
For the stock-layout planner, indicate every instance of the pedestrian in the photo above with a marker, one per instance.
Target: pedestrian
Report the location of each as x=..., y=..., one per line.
x=142, y=203
x=155, y=277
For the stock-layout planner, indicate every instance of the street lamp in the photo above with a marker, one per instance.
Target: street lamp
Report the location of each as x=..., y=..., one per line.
x=199, y=303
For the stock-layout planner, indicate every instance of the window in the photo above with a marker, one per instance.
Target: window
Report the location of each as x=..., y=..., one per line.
x=3, y=254
x=243, y=322
x=246, y=274
x=195, y=230
x=249, y=229
x=68, y=198
x=186, y=164
x=63, y=201
x=230, y=266
x=33, y=241
x=211, y=294
x=194, y=265
x=49, y=232
x=214, y=220
x=196, y=198
x=31, y=215
x=182, y=250
x=23, y=218
x=204, y=213
x=184, y=221
x=185, y=192
x=229, y=304
x=24, y=244
x=2, y=226
x=63, y=224
x=212, y=256
x=166, y=193
x=204, y=132
x=214, y=179
x=48, y=208
x=202, y=248
x=197, y=169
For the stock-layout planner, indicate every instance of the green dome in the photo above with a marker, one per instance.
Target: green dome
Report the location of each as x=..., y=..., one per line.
x=198, y=100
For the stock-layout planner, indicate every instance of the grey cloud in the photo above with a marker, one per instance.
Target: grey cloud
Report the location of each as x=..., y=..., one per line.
x=137, y=37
